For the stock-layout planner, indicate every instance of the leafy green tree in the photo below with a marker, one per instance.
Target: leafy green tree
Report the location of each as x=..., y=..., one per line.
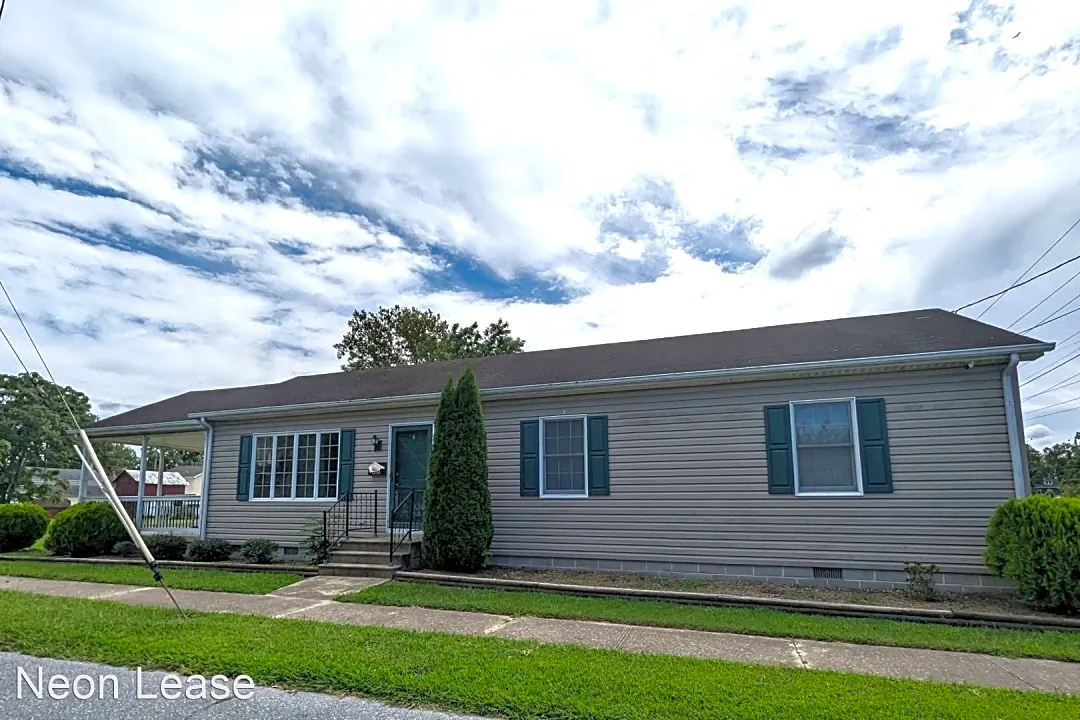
x=395, y=336
x=457, y=504
x=35, y=430
x=173, y=458
x=35, y=423
x=1059, y=462
x=115, y=457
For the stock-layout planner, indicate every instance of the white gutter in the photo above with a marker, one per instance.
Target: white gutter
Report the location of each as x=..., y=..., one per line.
x=1012, y=421
x=1033, y=350
x=204, y=493
x=146, y=428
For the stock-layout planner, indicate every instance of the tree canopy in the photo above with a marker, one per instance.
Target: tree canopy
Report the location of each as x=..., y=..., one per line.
x=173, y=458
x=1060, y=463
x=34, y=437
x=395, y=336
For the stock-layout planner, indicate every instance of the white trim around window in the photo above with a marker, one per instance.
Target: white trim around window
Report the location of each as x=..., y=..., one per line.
x=584, y=456
x=856, y=456
x=294, y=471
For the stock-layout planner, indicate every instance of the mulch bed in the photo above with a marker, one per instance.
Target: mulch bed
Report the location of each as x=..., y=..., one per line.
x=998, y=602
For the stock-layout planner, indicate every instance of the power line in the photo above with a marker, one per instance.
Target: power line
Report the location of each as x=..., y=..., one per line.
x=99, y=476
x=1051, y=369
x=1063, y=305
x=1066, y=340
x=1017, y=282
x=1047, y=321
x=40, y=357
x=1035, y=307
x=1063, y=402
x=1063, y=383
x=1056, y=412
x=1033, y=278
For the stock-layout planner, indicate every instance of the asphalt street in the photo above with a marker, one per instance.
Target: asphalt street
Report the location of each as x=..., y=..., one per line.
x=265, y=703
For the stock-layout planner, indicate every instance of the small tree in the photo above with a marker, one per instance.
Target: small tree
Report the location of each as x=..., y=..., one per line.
x=457, y=505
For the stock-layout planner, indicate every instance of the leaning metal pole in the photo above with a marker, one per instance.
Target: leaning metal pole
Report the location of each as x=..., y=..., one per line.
x=114, y=500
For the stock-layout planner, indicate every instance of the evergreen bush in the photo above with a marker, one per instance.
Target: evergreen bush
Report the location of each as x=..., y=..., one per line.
x=168, y=546
x=21, y=525
x=1035, y=542
x=209, y=551
x=457, y=503
x=258, y=550
x=85, y=529
x=125, y=548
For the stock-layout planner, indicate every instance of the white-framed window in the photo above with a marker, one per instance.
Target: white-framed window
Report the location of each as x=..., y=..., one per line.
x=296, y=466
x=564, y=469
x=825, y=440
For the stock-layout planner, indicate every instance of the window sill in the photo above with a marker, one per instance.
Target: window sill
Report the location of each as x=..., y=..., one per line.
x=834, y=493
x=546, y=496
x=294, y=500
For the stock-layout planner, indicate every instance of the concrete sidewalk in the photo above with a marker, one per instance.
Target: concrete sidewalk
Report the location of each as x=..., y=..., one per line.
x=312, y=599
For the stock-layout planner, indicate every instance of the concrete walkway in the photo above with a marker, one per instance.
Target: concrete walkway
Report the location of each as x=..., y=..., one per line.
x=311, y=599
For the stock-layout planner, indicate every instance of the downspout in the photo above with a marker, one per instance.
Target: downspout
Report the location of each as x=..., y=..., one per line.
x=208, y=452
x=1012, y=422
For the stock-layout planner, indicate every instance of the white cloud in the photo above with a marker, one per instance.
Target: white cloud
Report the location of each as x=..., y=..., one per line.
x=1038, y=435
x=189, y=204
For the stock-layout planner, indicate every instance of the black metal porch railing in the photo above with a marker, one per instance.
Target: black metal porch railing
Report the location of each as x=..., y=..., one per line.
x=407, y=515
x=355, y=513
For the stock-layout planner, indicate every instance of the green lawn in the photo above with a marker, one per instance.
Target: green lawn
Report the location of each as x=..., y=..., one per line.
x=254, y=583
x=483, y=675
x=751, y=621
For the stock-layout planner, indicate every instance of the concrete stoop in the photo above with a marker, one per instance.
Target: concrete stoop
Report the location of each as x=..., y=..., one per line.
x=369, y=557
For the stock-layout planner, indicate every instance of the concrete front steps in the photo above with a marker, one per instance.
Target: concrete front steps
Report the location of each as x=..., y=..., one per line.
x=368, y=557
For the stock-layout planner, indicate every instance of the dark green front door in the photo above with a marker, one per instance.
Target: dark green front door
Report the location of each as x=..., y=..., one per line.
x=411, y=451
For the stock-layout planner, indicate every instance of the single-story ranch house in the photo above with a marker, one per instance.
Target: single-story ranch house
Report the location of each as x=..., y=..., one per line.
x=832, y=450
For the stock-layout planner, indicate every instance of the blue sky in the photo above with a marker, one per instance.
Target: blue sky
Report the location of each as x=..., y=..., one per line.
x=197, y=194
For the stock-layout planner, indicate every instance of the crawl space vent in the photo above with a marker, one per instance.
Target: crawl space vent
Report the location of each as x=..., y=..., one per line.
x=829, y=573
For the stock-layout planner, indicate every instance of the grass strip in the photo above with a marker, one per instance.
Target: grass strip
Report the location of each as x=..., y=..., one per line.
x=484, y=675
x=253, y=583
x=749, y=621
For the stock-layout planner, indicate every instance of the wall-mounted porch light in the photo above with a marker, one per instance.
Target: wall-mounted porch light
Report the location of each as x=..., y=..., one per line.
x=376, y=443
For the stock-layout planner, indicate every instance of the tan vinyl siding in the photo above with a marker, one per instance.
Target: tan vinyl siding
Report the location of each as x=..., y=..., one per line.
x=688, y=477
x=283, y=520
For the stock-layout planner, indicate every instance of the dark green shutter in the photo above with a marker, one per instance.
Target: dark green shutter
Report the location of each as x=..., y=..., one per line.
x=874, y=446
x=778, y=450
x=346, y=462
x=598, y=455
x=530, y=458
x=243, y=472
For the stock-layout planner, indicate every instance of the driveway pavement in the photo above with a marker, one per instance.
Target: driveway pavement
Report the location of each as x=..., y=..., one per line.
x=266, y=704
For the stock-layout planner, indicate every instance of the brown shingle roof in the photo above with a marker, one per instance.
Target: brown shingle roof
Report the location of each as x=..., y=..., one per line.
x=869, y=336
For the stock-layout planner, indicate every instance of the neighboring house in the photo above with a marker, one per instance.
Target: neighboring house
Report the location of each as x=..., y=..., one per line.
x=193, y=474
x=127, y=483
x=71, y=493
x=836, y=449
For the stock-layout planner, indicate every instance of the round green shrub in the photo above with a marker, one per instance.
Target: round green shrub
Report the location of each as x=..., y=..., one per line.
x=1035, y=542
x=168, y=546
x=209, y=551
x=258, y=550
x=125, y=548
x=21, y=525
x=85, y=529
